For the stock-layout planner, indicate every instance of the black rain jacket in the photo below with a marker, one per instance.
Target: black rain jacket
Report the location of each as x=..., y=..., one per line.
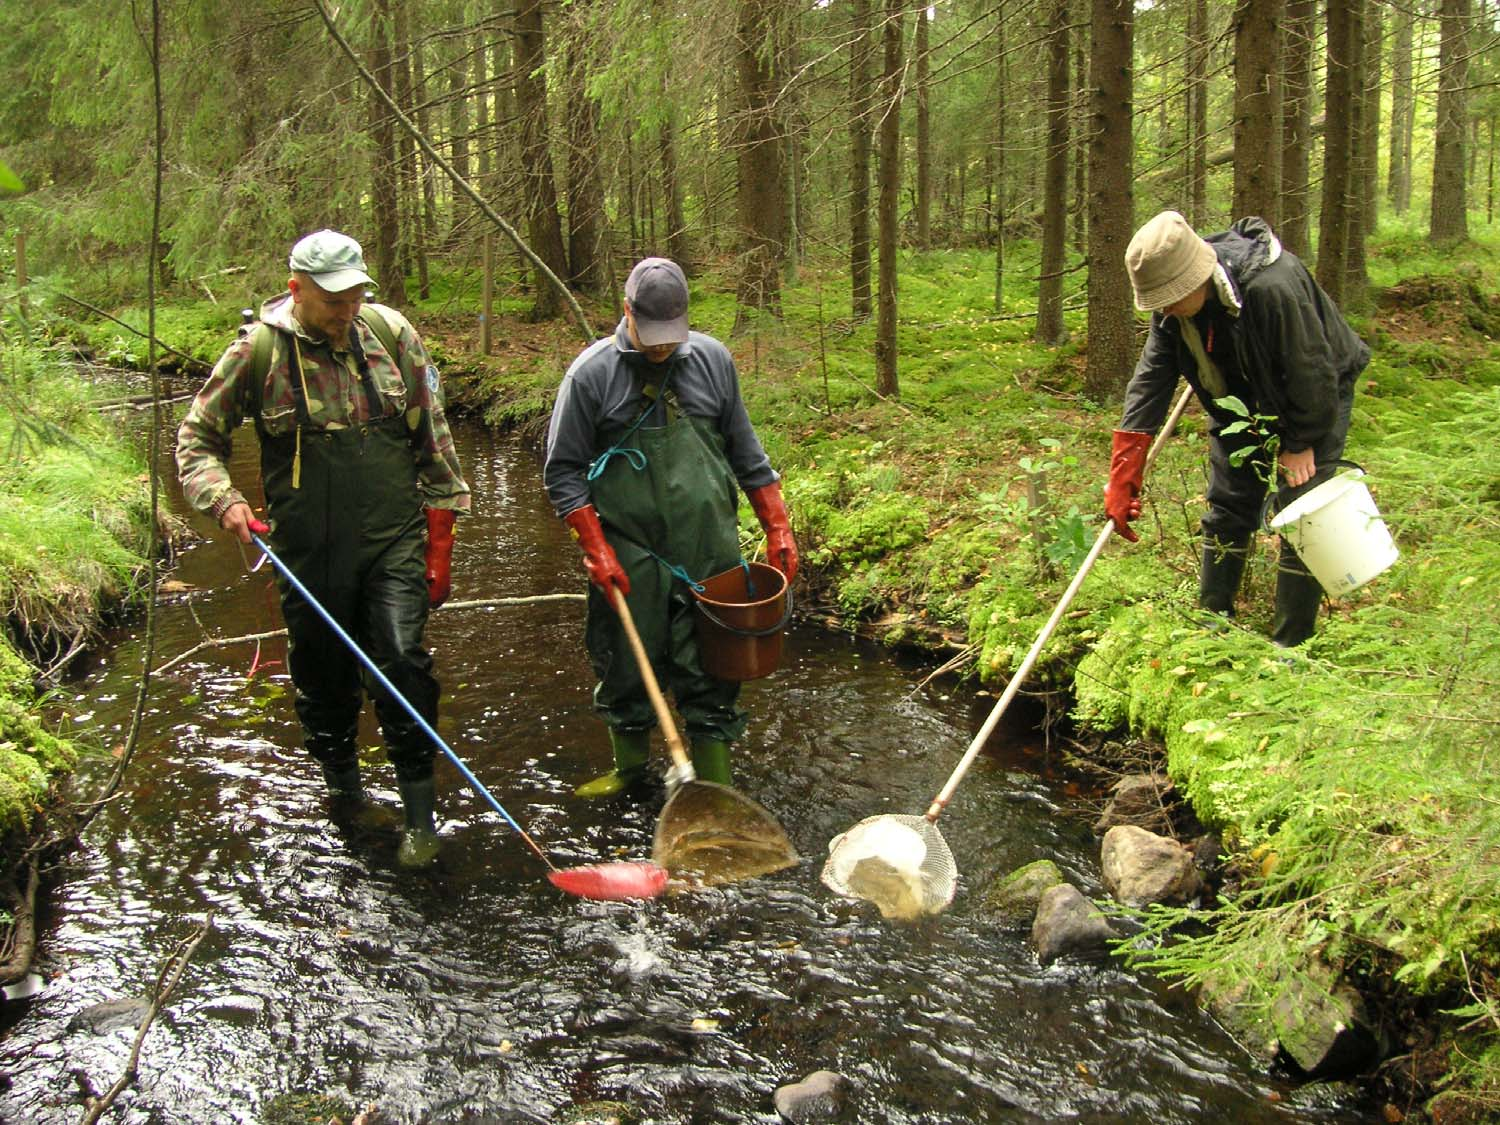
x=1289, y=348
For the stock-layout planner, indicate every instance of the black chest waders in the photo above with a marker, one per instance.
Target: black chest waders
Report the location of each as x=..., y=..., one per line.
x=347, y=519
x=668, y=501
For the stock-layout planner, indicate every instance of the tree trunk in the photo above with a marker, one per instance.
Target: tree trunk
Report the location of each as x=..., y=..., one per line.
x=1296, y=132
x=1369, y=112
x=1197, y=112
x=429, y=188
x=924, y=136
x=544, y=227
x=860, y=105
x=1111, y=198
x=408, y=190
x=585, y=192
x=761, y=201
x=383, y=205
x=889, y=176
x=1403, y=114
x=1000, y=163
x=1078, y=209
x=1049, y=313
x=679, y=248
x=1333, y=227
x=1257, y=110
x=458, y=136
x=1450, y=218
x=1357, y=278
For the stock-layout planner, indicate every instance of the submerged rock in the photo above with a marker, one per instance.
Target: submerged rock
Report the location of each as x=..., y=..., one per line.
x=821, y=1096
x=1011, y=901
x=599, y=1113
x=111, y=1014
x=1068, y=923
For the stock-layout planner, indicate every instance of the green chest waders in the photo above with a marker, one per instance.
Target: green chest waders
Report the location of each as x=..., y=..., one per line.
x=347, y=520
x=669, y=500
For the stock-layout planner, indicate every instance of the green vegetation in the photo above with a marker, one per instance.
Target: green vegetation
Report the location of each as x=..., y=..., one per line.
x=74, y=520
x=1351, y=779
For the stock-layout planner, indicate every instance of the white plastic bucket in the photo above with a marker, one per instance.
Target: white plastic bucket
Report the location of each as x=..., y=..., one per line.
x=1338, y=534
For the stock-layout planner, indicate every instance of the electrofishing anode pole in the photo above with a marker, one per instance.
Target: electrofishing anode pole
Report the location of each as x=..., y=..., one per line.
x=380, y=677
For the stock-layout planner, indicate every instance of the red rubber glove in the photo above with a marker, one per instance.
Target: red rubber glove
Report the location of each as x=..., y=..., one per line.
x=770, y=509
x=598, y=556
x=439, y=555
x=1127, y=465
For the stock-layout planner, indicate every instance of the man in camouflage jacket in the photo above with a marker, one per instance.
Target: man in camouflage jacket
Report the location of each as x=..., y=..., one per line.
x=355, y=448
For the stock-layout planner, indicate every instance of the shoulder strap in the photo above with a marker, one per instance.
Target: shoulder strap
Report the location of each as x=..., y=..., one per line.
x=263, y=345
x=382, y=329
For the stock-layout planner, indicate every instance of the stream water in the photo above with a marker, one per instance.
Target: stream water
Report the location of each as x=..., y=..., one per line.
x=480, y=993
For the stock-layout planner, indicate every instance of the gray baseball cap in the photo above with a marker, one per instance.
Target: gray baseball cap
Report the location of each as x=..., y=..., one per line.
x=333, y=260
x=658, y=296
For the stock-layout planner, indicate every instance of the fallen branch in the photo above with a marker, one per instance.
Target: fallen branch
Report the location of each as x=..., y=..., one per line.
x=248, y=638
x=198, y=363
x=166, y=982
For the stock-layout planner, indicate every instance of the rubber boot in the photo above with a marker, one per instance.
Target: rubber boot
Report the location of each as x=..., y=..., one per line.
x=711, y=760
x=1219, y=577
x=342, y=779
x=630, y=749
x=1298, y=598
x=419, y=842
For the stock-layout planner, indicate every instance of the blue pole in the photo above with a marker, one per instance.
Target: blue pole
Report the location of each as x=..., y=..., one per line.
x=396, y=695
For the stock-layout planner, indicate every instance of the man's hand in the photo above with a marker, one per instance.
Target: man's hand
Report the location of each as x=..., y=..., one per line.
x=599, y=558
x=239, y=520
x=1297, y=468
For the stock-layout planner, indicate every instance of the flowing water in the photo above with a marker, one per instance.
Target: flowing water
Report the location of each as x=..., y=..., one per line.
x=479, y=992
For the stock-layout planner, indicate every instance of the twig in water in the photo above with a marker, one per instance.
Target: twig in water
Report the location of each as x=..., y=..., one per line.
x=247, y=638
x=166, y=982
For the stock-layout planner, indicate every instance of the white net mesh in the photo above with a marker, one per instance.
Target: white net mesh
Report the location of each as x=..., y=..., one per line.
x=900, y=863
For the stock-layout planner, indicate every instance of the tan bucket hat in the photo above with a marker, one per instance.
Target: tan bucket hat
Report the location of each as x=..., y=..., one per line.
x=1166, y=261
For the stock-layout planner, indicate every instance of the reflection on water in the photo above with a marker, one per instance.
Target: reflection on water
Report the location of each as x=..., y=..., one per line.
x=480, y=992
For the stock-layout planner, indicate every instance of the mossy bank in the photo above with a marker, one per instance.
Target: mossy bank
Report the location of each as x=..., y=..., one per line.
x=74, y=534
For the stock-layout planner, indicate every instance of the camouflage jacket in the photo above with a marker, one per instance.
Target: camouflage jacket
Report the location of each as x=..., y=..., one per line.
x=335, y=398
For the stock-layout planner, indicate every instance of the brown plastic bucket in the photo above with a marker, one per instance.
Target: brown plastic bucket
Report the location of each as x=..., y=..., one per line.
x=741, y=616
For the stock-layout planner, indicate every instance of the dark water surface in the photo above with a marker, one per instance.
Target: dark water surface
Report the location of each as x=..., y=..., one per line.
x=480, y=992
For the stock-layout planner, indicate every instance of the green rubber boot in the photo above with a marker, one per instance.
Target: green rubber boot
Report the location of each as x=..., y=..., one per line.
x=711, y=760
x=419, y=843
x=630, y=749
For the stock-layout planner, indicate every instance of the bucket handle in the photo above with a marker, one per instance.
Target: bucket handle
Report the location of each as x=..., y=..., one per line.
x=766, y=632
x=1270, y=509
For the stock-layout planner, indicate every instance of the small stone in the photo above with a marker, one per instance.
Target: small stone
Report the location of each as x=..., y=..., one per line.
x=818, y=1097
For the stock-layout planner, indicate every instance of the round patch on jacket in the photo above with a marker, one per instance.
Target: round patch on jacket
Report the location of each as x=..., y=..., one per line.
x=432, y=379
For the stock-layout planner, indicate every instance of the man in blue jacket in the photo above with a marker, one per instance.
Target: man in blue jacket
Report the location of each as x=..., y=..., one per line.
x=648, y=449
x=1238, y=316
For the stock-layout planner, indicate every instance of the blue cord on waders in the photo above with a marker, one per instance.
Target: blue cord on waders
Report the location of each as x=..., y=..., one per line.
x=396, y=695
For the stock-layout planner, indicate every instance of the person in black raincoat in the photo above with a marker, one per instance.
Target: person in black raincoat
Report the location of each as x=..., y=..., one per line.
x=358, y=463
x=1239, y=317
x=648, y=448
